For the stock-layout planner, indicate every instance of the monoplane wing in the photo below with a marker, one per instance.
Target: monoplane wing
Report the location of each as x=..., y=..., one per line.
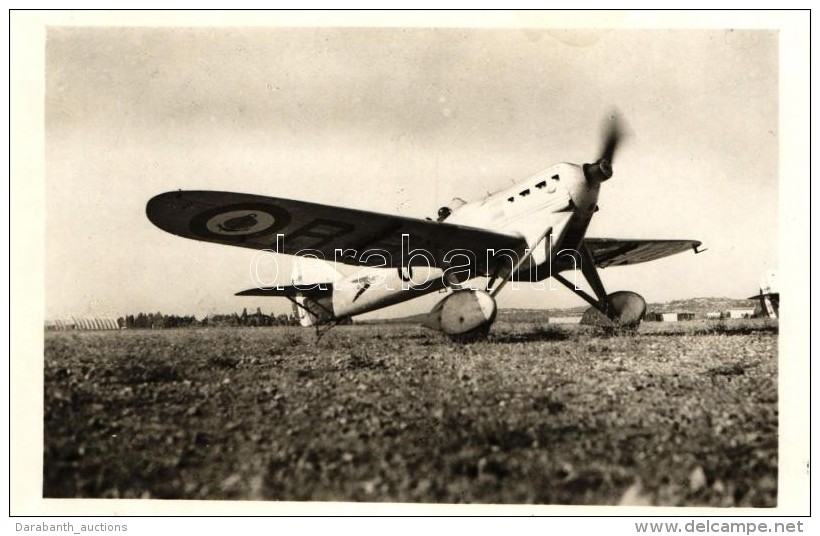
x=349, y=236
x=618, y=252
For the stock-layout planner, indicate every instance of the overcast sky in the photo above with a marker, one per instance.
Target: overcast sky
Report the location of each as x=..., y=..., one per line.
x=400, y=121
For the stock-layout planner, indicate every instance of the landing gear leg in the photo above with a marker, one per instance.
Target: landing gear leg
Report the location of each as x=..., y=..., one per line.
x=622, y=310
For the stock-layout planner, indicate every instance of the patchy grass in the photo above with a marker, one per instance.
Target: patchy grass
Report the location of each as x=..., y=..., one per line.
x=675, y=415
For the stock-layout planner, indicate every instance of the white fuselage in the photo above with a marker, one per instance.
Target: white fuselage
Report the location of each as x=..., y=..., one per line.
x=512, y=210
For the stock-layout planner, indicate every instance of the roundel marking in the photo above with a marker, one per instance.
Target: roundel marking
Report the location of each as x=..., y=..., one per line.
x=240, y=221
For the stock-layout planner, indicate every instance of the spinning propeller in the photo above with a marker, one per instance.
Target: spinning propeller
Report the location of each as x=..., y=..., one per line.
x=601, y=170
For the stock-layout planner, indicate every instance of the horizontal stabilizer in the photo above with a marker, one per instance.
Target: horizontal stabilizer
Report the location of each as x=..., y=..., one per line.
x=766, y=295
x=314, y=290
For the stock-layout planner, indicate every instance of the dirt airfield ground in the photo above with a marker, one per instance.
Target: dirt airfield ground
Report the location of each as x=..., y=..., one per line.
x=679, y=414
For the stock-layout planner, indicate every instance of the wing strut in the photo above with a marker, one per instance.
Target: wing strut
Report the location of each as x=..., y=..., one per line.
x=579, y=292
x=590, y=273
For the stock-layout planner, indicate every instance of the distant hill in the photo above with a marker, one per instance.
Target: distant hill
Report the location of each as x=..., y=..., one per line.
x=699, y=306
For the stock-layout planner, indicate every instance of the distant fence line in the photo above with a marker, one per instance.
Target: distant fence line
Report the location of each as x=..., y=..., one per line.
x=83, y=323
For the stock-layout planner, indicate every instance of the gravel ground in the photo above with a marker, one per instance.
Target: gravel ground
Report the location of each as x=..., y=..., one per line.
x=680, y=414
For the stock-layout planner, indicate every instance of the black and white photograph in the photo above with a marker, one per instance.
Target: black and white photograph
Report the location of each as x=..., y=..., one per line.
x=413, y=259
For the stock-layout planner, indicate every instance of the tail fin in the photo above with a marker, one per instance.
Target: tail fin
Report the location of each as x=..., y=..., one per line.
x=301, y=312
x=310, y=271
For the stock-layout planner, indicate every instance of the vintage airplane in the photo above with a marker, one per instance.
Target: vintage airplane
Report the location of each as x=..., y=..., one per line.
x=768, y=295
x=528, y=232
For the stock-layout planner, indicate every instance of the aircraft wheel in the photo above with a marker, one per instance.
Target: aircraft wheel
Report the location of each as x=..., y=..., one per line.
x=464, y=315
x=626, y=309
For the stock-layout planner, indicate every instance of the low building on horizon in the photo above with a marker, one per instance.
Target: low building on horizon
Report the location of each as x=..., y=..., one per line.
x=670, y=316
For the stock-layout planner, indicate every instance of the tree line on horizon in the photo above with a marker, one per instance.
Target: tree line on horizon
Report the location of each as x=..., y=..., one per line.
x=161, y=321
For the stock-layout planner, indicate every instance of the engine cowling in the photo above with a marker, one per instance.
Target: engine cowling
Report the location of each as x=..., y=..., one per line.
x=463, y=313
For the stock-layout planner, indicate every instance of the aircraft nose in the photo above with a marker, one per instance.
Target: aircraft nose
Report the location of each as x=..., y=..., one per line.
x=599, y=171
x=583, y=186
